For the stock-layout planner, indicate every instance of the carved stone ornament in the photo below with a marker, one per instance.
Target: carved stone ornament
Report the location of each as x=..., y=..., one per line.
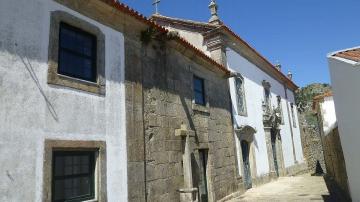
x=272, y=118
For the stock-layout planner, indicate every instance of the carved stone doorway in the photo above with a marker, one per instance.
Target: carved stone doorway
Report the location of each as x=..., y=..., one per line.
x=275, y=153
x=246, y=153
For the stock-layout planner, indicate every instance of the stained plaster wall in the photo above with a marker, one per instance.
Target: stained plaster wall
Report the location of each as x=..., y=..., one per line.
x=32, y=111
x=195, y=38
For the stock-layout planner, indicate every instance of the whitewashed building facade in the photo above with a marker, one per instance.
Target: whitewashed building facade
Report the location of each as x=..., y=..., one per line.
x=344, y=72
x=266, y=127
x=72, y=121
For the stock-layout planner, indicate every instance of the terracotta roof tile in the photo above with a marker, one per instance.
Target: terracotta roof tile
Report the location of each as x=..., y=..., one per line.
x=324, y=95
x=353, y=54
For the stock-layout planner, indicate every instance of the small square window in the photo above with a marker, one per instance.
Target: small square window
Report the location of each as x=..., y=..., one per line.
x=77, y=53
x=73, y=175
x=199, y=92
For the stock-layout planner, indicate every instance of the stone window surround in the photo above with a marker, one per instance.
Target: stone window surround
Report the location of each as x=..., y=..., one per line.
x=243, y=113
x=98, y=87
x=99, y=147
x=279, y=100
x=197, y=107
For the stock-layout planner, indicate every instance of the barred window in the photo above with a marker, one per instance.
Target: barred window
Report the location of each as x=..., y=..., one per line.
x=73, y=175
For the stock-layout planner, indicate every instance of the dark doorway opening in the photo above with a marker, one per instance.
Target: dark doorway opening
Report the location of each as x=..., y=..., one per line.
x=245, y=148
x=203, y=190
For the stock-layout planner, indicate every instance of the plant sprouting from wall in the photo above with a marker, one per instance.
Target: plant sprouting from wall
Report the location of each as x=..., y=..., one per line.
x=148, y=35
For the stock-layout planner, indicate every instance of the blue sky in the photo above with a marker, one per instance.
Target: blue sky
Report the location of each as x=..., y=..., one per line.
x=297, y=33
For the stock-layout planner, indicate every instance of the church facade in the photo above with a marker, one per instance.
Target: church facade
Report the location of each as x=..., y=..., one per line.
x=266, y=127
x=99, y=103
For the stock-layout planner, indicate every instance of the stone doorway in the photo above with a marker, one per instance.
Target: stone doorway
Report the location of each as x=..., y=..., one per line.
x=245, y=149
x=203, y=188
x=246, y=154
x=274, y=151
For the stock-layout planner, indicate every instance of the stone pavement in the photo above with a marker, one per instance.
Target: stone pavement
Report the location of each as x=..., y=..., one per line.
x=290, y=189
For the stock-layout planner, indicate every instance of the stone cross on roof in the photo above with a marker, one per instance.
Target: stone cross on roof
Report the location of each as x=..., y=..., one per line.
x=155, y=3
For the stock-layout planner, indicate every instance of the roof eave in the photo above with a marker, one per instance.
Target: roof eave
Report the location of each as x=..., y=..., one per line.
x=284, y=78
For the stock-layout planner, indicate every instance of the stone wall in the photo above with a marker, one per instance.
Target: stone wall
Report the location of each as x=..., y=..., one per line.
x=159, y=98
x=335, y=163
x=312, y=147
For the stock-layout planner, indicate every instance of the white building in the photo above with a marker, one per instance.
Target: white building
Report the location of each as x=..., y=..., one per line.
x=345, y=72
x=265, y=117
x=326, y=106
x=73, y=120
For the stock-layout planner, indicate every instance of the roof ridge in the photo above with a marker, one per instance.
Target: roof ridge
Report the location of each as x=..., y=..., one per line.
x=228, y=29
x=184, y=20
x=331, y=54
x=126, y=9
x=123, y=7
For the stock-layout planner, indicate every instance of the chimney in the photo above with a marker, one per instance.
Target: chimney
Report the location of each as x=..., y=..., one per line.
x=289, y=75
x=214, y=14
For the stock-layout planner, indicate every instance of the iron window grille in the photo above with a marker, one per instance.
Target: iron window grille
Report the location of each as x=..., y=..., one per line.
x=73, y=176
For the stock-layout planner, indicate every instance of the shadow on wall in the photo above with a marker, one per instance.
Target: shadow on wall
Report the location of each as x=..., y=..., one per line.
x=336, y=194
x=27, y=64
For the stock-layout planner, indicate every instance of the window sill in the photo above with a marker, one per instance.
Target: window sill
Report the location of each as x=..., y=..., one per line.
x=79, y=84
x=201, y=108
x=92, y=200
x=242, y=114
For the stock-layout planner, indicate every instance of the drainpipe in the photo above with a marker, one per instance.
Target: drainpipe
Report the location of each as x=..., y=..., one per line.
x=291, y=127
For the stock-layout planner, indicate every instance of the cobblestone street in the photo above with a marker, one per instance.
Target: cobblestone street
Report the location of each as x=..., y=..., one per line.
x=301, y=188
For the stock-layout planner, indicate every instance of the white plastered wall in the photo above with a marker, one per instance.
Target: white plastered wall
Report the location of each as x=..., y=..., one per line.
x=328, y=114
x=254, y=96
x=345, y=81
x=27, y=119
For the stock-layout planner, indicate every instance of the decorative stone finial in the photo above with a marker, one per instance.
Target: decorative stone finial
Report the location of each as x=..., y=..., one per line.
x=289, y=75
x=214, y=14
x=278, y=66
